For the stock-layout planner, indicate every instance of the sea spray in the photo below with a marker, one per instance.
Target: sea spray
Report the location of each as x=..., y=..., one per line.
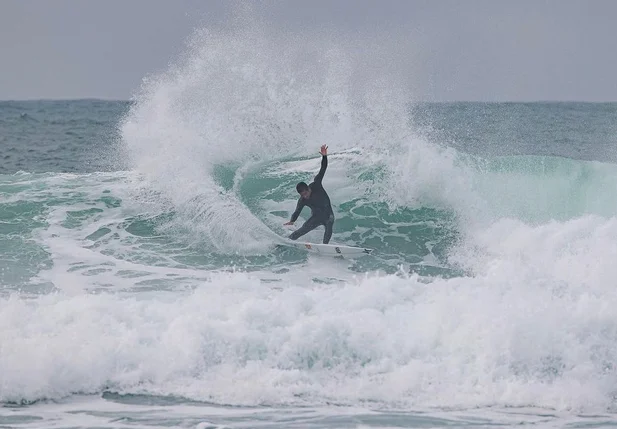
x=254, y=96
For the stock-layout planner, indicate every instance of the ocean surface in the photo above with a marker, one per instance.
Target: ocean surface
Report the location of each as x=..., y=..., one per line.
x=141, y=285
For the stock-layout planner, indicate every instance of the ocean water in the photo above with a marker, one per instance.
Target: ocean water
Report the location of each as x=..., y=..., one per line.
x=140, y=284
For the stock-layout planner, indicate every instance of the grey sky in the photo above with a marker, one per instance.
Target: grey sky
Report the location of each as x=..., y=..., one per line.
x=460, y=50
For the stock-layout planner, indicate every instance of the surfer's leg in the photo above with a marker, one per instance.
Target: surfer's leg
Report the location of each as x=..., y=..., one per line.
x=308, y=226
x=328, y=234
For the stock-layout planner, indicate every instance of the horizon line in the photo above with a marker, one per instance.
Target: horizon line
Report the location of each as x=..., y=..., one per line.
x=128, y=100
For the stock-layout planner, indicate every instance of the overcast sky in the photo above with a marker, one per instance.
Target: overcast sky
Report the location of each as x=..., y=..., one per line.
x=493, y=50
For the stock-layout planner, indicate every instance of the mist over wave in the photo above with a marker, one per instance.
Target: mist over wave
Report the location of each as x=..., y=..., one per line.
x=252, y=98
x=249, y=96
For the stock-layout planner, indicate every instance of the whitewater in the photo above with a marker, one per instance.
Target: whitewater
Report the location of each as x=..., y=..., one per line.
x=141, y=284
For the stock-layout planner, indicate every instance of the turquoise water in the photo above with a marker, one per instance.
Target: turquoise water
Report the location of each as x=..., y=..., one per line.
x=141, y=284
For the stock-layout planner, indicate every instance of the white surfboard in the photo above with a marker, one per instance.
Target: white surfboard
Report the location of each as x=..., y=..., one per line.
x=329, y=249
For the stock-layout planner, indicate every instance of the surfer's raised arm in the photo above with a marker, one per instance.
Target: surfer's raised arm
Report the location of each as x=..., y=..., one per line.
x=324, y=164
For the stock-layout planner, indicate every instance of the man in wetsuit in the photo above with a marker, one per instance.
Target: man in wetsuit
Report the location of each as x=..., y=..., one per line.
x=315, y=197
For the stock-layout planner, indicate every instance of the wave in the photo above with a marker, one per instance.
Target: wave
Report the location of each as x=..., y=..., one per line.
x=251, y=99
x=392, y=341
x=499, y=275
x=248, y=96
x=542, y=188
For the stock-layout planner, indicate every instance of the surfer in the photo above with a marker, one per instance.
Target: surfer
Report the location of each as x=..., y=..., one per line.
x=315, y=197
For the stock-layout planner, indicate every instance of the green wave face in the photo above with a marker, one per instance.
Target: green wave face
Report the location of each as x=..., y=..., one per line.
x=116, y=215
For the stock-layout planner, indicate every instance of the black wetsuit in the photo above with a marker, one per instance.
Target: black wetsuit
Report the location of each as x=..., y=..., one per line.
x=319, y=202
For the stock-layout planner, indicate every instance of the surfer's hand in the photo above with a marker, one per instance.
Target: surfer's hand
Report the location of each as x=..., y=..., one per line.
x=323, y=150
x=289, y=223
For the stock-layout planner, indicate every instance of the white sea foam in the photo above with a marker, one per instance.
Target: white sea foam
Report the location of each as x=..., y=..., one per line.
x=513, y=335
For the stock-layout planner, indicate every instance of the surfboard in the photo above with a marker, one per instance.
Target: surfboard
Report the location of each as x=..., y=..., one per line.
x=329, y=249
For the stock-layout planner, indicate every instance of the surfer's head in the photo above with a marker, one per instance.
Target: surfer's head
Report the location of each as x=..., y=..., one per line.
x=303, y=190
